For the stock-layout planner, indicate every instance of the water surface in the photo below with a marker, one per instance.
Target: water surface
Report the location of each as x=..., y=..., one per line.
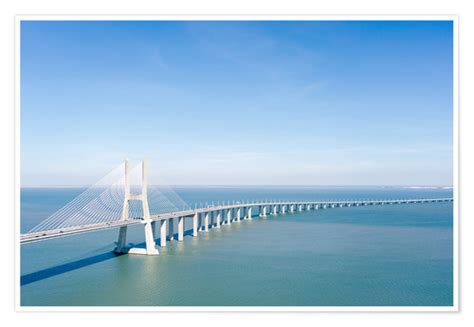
x=392, y=255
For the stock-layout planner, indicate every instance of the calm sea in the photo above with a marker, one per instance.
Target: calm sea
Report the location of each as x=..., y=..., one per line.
x=392, y=255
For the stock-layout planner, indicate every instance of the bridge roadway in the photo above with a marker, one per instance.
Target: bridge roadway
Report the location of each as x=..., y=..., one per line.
x=221, y=214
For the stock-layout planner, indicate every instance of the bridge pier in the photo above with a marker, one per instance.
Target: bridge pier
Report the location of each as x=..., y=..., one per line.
x=274, y=209
x=195, y=224
x=180, y=228
x=249, y=213
x=206, y=222
x=264, y=214
x=122, y=241
x=283, y=209
x=238, y=214
x=229, y=216
x=150, y=240
x=218, y=218
x=163, y=225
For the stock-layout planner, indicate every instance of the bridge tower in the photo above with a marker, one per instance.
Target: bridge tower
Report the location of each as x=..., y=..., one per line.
x=150, y=248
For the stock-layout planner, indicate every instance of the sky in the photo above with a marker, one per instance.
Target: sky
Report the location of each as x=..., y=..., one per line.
x=238, y=102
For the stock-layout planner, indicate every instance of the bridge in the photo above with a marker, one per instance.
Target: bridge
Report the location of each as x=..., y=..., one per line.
x=113, y=207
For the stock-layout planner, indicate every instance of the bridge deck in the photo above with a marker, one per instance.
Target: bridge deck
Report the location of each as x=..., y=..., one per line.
x=49, y=234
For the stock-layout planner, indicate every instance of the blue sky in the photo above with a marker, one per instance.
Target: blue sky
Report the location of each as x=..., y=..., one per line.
x=283, y=103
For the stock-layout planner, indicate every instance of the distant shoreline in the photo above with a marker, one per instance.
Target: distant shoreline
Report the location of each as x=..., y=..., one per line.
x=414, y=187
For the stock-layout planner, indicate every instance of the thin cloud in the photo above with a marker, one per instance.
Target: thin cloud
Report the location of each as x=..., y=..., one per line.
x=313, y=87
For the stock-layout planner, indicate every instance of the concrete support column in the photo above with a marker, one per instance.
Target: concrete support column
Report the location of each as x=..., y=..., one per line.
x=249, y=213
x=292, y=208
x=238, y=214
x=180, y=228
x=195, y=224
x=164, y=222
x=264, y=214
x=218, y=218
x=275, y=210
x=122, y=240
x=283, y=209
x=150, y=240
x=171, y=229
x=229, y=216
x=300, y=208
x=206, y=222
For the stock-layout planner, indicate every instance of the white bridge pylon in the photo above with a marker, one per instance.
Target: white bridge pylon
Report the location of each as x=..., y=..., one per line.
x=150, y=246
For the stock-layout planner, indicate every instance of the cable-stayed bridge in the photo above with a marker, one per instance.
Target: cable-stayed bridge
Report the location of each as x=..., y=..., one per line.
x=123, y=198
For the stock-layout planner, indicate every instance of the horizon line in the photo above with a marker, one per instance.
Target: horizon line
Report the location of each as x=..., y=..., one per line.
x=259, y=185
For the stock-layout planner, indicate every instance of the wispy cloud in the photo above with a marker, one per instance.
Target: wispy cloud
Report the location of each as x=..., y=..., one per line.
x=314, y=86
x=156, y=58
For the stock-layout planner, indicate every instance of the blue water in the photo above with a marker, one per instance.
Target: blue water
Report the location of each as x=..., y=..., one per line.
x=392, y=255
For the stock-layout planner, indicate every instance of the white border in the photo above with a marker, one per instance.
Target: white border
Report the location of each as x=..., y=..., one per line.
x=456, y=203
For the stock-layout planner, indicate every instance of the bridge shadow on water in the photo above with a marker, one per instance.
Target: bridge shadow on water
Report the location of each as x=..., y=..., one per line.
x=74, y=265
x=67, y=267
